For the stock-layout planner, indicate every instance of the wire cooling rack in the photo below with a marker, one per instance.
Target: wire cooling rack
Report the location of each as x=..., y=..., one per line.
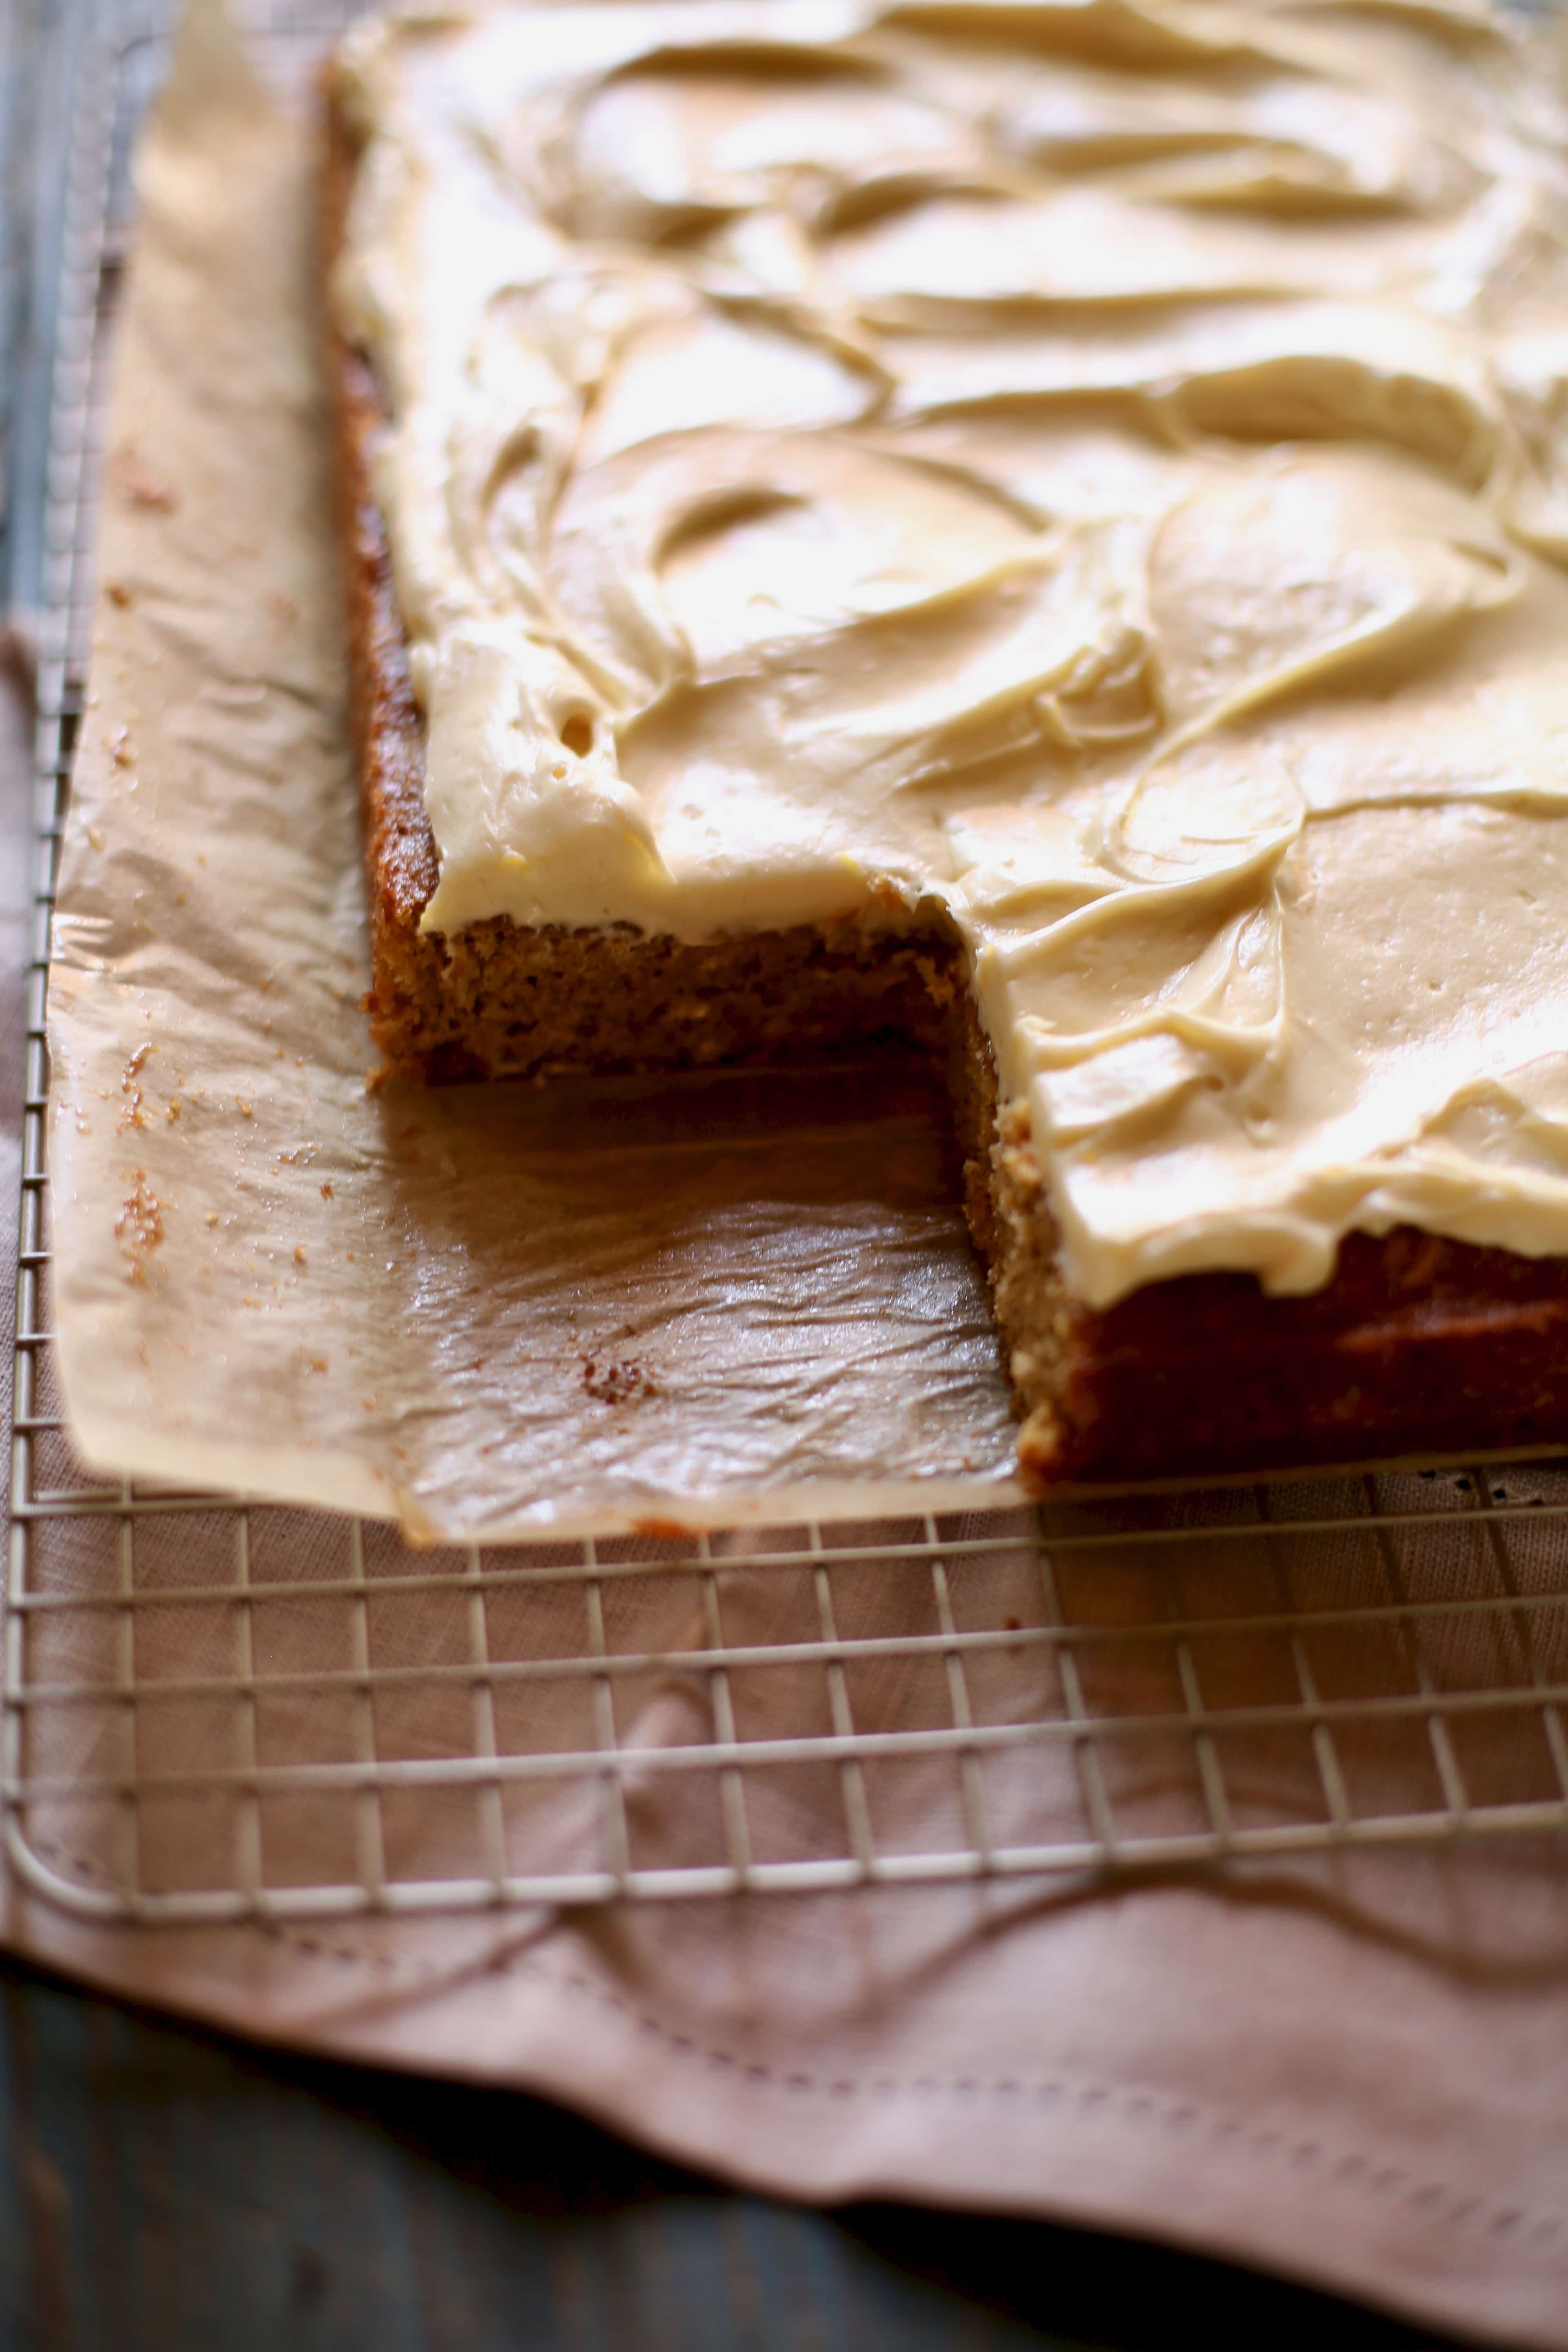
x=215, y=1711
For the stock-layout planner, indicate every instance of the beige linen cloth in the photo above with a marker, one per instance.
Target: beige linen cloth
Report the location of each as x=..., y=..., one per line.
x=1353, y=2068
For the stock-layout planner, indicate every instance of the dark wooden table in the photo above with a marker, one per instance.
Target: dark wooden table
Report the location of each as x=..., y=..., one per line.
x=165, y=2190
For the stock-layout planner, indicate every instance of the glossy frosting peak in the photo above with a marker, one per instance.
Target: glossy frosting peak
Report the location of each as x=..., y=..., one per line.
x=1101, y=465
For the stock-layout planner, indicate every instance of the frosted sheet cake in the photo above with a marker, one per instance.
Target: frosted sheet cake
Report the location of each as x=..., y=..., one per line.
x=1033, y=528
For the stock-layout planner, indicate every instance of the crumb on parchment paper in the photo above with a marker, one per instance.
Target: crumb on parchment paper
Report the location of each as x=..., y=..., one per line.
x=138, y=1227
x=135, y=1111
x=143, y=488
x=617, y=1379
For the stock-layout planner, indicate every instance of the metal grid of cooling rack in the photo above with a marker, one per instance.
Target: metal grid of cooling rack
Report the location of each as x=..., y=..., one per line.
x=215, y=1711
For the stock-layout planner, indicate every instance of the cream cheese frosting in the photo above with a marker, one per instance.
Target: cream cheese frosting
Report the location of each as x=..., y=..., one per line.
x=1100, y=466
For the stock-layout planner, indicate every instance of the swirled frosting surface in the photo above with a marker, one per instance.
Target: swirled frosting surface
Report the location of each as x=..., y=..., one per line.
x=1098, y=465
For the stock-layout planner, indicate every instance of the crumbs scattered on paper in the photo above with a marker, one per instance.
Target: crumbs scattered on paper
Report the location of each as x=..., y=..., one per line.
x=135, y=1111
x=621, y=1381
x=141, y=487
x=138, y=1227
